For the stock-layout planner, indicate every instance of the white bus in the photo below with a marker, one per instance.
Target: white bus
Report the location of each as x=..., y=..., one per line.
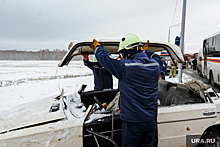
x=211, y=53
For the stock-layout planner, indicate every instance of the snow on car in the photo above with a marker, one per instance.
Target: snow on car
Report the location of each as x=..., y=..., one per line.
x=79, y=119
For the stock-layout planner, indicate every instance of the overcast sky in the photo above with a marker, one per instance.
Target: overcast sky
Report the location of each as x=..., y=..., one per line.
x=51, y=24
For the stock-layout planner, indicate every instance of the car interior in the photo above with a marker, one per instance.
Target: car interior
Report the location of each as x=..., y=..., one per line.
x=106, y=131
x=176, y=94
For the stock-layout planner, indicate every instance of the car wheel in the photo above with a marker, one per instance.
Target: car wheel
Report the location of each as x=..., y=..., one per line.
x=211, y=138
x=212, y=80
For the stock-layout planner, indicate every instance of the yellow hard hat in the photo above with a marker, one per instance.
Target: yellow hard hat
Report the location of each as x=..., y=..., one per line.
x=129, y=41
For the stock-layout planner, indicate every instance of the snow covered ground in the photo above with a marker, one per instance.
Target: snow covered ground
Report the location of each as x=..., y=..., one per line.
x=25, y=81
x=185, y=78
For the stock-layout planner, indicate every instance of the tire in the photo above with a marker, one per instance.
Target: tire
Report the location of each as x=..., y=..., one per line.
x=212, y=80
x=213, y=134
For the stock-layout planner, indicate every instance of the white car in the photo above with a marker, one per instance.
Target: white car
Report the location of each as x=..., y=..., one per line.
x=76, y=119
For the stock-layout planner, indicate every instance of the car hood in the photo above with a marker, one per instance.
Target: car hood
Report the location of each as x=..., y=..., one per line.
x=30, y=114
x=111, y=46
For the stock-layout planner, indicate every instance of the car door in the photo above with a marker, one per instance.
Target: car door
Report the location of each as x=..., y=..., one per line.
x=175, y=122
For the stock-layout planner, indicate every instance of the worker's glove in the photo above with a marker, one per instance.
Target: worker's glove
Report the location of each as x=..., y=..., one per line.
x=85, y=56
x=160, y=76
x=119, y=56
x=146, y=46
x=94, y=44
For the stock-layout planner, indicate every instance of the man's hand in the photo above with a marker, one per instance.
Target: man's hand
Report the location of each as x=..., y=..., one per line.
x=146, y=45
x=85, y=56
x=94, y=44
x=119, y=57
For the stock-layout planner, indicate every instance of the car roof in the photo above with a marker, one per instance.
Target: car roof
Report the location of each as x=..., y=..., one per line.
x=111, y=46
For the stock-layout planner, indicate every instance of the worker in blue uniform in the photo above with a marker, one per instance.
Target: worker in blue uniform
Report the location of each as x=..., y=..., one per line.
x=102, y=78
x=138, y=75
x=164, y=69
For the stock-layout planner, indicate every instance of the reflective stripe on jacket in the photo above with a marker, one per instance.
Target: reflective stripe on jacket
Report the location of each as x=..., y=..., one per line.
x=138, y=88
x=138, y=84
x=173, y=64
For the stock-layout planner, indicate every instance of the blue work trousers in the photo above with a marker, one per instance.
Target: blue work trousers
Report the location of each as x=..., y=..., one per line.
x=138, y=134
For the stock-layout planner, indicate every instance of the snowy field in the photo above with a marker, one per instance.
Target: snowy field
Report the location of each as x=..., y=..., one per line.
x=25, y=81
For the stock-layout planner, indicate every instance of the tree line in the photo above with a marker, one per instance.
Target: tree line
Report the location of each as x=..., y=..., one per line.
x=44, y=54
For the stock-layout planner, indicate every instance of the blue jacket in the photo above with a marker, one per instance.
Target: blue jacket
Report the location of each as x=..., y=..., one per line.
x=102, y=78
x=138, y=83
x=164, y=68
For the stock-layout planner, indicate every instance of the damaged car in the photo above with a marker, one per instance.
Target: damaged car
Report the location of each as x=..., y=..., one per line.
x=91, y=118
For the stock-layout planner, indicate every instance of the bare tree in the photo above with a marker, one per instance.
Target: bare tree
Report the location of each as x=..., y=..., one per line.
x=43, y=54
